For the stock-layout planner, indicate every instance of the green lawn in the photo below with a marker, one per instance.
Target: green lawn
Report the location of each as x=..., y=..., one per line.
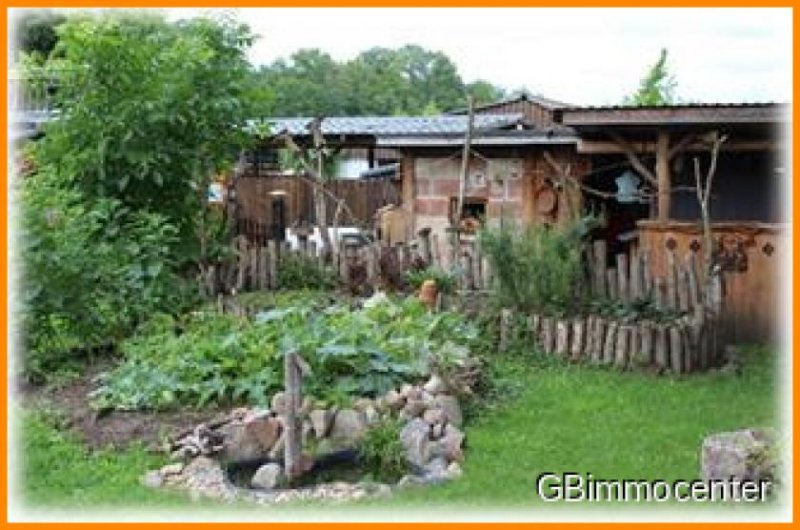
x=548, y=418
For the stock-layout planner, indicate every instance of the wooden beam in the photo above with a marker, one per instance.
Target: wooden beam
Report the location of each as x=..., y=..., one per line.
x=633, y=158
x=663, y=179
x=598, y=147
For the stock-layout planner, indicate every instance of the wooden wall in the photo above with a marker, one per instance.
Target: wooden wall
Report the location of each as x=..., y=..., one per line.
x=755, y=276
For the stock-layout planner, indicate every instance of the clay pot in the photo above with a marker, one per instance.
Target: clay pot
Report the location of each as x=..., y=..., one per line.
x=428, y=292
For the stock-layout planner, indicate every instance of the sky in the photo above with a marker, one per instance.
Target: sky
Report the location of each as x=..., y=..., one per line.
x=580, y=56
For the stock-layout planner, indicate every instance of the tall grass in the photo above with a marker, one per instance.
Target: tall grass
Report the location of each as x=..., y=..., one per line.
x=536, y=268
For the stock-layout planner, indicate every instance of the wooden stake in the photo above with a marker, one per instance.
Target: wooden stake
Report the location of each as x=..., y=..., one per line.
x=547, y=335
x=610, y=342
x=662, y=347
x=506, y=323
x=272, y=263
x=621, y=352
x=562, y=338
x=636, y=276
x=672, y=281
x=622, y=276
x=599, y=268
x=646, y=355
x=676, y=349
x=578, y=339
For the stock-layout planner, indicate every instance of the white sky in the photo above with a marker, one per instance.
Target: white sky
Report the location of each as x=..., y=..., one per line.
x=576, y=55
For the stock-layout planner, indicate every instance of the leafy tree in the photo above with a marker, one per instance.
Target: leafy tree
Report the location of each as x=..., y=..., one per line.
x=307, y=84
x=484, y=92
x=151, y=110
x=657, y=87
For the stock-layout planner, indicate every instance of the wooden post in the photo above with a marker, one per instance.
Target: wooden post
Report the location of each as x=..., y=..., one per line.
x=424, y=235
x=610, y=342
x=645, y=352
x=611, y=284
x=486, y=273
x=253, y=282
x=621, y=350
x=578, y=339
x=562, y=338
x=372, y=265
x=599, y=267
x=294, y=369
x=647, y=275
x=683, y=290
x=676, y=348
x=436, y=251
x=466, y=272
x=241, y=263
x=533, y=327
x=452, y=246
x=263, y=283
x=662, y=175
x=622, y=277
x=547, y=335
x=695, y=301
x=598, y=340
x=272, y=259
x=506, y=323
x=636, y=276
x=658, y=293
x=661, y=347
x=672, y=281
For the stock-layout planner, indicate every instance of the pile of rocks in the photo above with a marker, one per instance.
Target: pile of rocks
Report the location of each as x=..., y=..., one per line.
x=431, y=437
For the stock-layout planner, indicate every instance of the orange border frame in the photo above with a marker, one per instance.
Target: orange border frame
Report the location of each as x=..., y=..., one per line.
x=4, y=285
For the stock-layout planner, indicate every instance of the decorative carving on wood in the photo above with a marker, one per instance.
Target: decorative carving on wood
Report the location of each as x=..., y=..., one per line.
x=731, y=253
x=695, y=246
x=768, y=249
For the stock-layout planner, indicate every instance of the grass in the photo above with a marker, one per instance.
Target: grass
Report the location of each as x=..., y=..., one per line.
x=549, y=417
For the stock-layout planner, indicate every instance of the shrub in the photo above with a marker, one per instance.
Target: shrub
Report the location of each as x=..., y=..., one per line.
x=220, y=358
x=91, y=271
x=445, y=281
x=381, y=450
x=537, y=268
x=303, y=272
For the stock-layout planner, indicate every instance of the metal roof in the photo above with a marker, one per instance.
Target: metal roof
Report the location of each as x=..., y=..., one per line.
x=396, y=125
x=683, y=114
x=521, y=95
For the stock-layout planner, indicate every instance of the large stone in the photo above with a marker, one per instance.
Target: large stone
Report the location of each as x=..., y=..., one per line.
x=435, y=467
x=414, y=407
x=278, y=403
x=239, y=443
x=321, y=420
x=415, y=439
x=348, y=426
x=265, y=429
x=743, y=455
x=452, y=410
x=434, y=416
x=394, y=400
x=268, y=477
x=172, y=469
x=152, y=479
x=452, y=443
x=435, y=385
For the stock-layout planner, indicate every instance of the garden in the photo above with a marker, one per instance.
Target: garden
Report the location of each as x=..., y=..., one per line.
x=339, y=379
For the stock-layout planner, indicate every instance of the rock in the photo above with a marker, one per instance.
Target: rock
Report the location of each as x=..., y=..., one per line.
x=405, y=390
x=362, y=404
x=452, y=442
x=435, y=385
x=239, y=413
x=395, y=400
x=427, y=398
x=239, y=444
x=743, y=455
x=278, y=403
x=437, y=466
x=172, y=469
x=454, y=470
x=307, y=431
x=414, y=407
x=376, y=299
x=434, y=416
x=414, y=393
x=414, y=437
x=452, y=410
x=321, y=420
x=265, y=429
x=372, y=416
x=306, y=407
x=348, y=425
x=276, y=453
x=268, y=477
x=410, y=480
x=152, y=479
x=437, y=431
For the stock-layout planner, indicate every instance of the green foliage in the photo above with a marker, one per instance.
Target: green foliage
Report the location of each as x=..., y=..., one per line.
x=92, y=270
x=211, y=357
x=537, y=268
x=303, y=272
x=445, y=281
x=381, y=450
x=405, y=81
x=484, y=92
x=657, y=87
x=150, y=110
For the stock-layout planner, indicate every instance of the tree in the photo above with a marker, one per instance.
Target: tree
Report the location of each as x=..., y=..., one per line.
x=657, y=87
x=151, y=111
x=484, y=92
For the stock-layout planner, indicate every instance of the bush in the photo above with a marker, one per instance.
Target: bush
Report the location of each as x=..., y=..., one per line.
x=537, y=268
x=92, y=271
x=302, y=272
x=219, y=358
x=381, y=450
x=445, y=281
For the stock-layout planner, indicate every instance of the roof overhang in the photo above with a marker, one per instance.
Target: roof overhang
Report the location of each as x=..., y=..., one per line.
x=493, y=141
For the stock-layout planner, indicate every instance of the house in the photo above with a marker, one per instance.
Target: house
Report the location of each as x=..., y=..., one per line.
x=537, y=161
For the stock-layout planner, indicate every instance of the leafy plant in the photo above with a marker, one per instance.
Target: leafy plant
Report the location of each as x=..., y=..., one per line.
x=381, y=450
x=303, y=272
x=220, y=358
x=537, y=268
x=445, y=281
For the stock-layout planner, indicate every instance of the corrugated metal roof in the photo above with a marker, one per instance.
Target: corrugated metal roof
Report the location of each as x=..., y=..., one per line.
x=677, y=106
x=521, y=95
x=395, y=125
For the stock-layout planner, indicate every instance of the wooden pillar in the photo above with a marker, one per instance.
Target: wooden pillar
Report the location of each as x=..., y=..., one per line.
x=663, y=176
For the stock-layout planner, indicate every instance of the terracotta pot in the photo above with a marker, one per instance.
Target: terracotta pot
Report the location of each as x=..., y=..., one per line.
x=428, y=292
